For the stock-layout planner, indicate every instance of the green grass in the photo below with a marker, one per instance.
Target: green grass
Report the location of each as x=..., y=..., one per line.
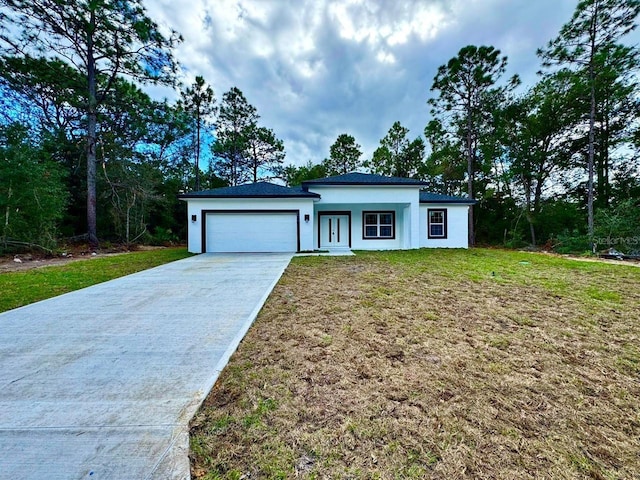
x=509, y=268
x=24, y=287
x=480, y=363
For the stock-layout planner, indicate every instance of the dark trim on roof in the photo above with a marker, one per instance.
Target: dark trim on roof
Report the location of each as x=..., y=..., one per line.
x=252, y=190
x=428, y=197
x=356, y=178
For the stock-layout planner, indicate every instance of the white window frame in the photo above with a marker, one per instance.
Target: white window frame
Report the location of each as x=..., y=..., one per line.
x=378, y=225
x=443, y=223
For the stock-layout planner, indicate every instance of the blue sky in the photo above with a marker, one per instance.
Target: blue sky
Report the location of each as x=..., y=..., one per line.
x=317, y=68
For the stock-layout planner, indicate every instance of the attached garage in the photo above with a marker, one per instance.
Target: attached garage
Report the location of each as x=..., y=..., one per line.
x=256, y=217
x=251, y=231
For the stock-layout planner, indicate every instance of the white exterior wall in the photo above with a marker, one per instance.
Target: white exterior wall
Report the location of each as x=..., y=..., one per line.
x=457, y=226
x=195, y=206
x=404, y=201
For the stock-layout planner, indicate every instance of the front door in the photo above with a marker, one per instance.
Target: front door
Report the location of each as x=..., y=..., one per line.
x=334, y=231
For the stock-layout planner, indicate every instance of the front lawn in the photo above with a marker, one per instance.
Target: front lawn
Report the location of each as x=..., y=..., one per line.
x=24, y=287
x=433, y=364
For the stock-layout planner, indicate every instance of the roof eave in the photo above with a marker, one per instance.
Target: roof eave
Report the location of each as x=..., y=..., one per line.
x=456, y=202
x=367, y=184
x=187, y=196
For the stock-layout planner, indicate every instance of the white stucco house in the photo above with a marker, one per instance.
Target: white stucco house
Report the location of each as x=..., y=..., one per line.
x=357, y=211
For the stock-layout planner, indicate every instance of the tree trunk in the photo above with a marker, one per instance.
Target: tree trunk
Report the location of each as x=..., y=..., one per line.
x=592, y=121
x=6, y=216
x=532, y=229
x=128, y=225
x=605, y=189
x=198, y=150
x=255, y=164
x=92, y=230
x=470, y=177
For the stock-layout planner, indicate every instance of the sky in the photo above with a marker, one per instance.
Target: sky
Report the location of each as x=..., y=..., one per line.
x=315, y=69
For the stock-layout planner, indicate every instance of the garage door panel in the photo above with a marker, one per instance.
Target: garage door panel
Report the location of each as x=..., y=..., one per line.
x=252, y=232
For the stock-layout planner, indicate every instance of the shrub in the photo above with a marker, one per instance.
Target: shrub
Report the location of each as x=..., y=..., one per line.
x=32, y=193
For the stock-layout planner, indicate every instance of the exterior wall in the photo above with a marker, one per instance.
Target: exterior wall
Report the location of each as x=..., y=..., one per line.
x=195, y=206
x=404, y=201
x=357, y=240
x=457, y=226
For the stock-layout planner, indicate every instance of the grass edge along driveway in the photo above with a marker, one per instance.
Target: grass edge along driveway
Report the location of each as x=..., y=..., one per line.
x=29, y=286
x=432, y=364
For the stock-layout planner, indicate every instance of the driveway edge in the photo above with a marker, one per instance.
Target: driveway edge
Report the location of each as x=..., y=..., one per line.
x=175, y=459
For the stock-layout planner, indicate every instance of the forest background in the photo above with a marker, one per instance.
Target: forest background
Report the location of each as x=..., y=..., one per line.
x=88, y=155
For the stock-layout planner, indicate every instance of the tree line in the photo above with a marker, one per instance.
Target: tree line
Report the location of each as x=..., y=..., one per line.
x=85, y=153
x=555, y=165
x=84, y=150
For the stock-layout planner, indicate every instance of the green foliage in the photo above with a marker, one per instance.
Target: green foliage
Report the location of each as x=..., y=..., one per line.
x=243, y=150
x=397, y=155
x=265, y=152
x=497, y=221
x=535, y=130
x=464, y=80
x=134, y=138
x=124, y=40
x=595, y=24
x=444, y=168
x=32, y=193
x=560, y=216
x=590, y=44
x=162, y=237
x=294, y=176
x=101, y=39
x=235, y=117
x=45, y=88
x=542, y=163
x=468, y=96
x=619, y=227
x=344, y=156
x=142, y=148
x=570, y=242
x=617, y=89
x=199, y=103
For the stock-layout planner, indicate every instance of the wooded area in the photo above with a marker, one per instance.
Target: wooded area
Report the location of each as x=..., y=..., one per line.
x=87, y=154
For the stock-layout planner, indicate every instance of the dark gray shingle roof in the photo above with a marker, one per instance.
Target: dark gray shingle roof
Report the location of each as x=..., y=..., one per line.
x=356, y=178
x=252, y=190
x=428, y=197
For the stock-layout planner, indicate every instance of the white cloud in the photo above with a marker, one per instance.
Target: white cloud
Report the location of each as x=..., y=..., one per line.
x=318, y=68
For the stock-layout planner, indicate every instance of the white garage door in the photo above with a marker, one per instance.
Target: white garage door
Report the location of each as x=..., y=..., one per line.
x=252, y=232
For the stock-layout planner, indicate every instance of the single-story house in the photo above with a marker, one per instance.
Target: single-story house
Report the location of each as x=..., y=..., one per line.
x=357, y=210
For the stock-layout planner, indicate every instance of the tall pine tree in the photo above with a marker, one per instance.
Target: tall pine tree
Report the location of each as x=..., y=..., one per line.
x=467, y=88
x=597, y=26
x=99, y=38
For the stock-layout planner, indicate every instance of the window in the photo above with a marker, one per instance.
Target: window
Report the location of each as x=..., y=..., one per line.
x=378, y=225
x=437, y=227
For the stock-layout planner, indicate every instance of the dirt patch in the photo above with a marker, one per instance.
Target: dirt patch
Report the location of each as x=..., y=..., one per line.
x=28, y=261
x=633, y=263
x=630, y=262
x=376, y=367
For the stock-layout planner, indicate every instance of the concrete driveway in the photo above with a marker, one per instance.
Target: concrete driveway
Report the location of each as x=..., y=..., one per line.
x=102, y=382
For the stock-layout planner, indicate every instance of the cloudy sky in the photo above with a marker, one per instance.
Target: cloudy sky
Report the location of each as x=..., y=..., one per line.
x=317, y=68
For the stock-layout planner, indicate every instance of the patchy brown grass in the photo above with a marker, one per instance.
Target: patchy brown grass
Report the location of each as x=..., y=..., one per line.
x=433, y=364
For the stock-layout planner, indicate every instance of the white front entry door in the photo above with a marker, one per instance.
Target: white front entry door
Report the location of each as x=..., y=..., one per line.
x=334, y=231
